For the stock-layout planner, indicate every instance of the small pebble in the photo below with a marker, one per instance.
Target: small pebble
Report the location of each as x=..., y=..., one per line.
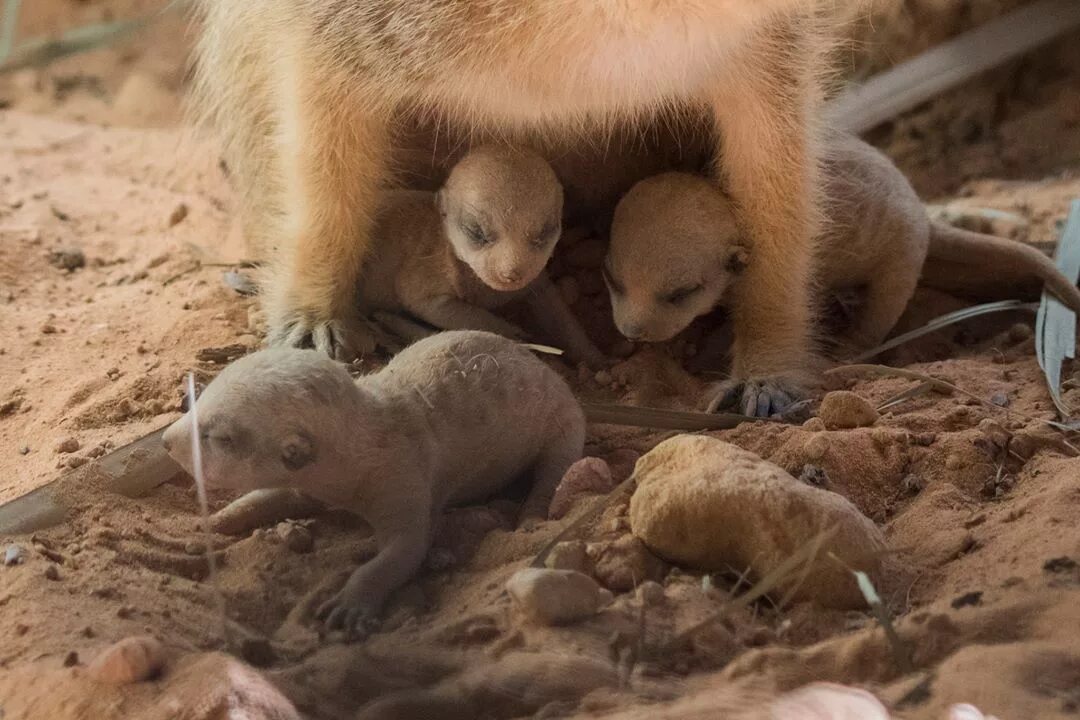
x=24, y=450
x=814, y=424
x=133, y=659
x=1000, y=399
x=51, y=573
x=296, y=537
x=178, y=214
x=814, y=475
x=68, y=445
x=556, y=597
x=603, y=378
x=14, y=555
x=70, y=258
x=844, y=409
x=651, y=593
x=912, y=484
x=570, y=555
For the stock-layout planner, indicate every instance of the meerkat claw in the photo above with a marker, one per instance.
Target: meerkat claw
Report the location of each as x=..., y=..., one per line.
x=332, y=338
x=755, y=398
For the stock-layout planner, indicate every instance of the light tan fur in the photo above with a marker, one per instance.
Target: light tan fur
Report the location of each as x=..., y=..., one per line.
x=451, y=419
x=306, y=93
x=479, y=243
x=676, y=251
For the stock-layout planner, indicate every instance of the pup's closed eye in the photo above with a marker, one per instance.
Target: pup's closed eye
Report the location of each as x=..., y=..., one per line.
x=546, y=235
x=476, y=234
x=681, y=295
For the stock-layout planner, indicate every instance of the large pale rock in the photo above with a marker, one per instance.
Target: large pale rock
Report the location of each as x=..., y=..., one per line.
x=130, y=660
x=707, y=504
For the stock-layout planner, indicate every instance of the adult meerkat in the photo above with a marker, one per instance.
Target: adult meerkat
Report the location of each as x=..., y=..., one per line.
x=480, y=242
x=451, y=419
x=306, y=93
x=677, y=252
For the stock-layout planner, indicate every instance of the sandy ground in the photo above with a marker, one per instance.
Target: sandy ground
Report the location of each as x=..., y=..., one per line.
x=985, y=587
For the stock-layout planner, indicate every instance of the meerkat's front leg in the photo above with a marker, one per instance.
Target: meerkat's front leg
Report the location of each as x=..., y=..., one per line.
x=765, y=112
x=334, y=146
x=404, y=537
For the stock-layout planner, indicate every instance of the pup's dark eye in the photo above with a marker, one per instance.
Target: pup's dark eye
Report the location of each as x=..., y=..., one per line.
x=677, y=297
x=546, y=236
x=612, y=284
x=476, y=234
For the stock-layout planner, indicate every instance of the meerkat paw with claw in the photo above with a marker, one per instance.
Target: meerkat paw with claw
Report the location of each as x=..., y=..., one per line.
x=759, y=397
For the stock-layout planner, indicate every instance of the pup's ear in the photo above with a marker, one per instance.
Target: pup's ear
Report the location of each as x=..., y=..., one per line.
x=737, y=259
x=297, y=450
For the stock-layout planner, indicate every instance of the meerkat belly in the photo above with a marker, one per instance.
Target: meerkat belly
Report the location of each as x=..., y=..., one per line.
x=588, y=74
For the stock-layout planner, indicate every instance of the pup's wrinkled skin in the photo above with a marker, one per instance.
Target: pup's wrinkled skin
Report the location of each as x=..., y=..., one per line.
x=307, y=95
x=480, y=242
x=676, y=252
x=451, y=419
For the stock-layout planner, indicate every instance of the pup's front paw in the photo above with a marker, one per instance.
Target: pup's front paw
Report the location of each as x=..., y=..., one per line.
x=346, y=611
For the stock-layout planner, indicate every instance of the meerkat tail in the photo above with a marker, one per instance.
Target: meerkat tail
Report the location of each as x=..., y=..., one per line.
x=963, y=246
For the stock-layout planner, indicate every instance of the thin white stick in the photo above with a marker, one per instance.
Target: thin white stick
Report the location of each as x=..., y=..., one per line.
x=204, y=506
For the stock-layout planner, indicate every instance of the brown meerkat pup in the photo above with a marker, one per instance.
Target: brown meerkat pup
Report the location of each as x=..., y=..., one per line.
x=676, y=251
x=480, y=242
x=451, y=419
x=306, y=94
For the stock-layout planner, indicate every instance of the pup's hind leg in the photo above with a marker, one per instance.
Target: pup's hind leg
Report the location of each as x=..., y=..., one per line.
x=887, y=296
x=563, y=450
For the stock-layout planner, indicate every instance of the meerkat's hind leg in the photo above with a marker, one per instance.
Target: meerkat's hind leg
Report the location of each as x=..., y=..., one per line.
x=562, y=451
x=887, y=296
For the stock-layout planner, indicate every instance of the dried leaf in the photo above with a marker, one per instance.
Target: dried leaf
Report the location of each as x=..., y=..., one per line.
x=1055, y=324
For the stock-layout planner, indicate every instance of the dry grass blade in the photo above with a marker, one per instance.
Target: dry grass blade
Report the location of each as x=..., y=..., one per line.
x=915, y=81
x=610, y=414
x=943, y=385
x=9, y=21
x=42, y=51
x=870, y=594
x=944, y=321
x=804, y=557
x=1055, y=324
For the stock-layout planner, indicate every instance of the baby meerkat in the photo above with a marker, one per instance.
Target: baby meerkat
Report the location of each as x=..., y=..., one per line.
x=676, y=251
x=451, y=419
x=307, y=95
x=480, y=242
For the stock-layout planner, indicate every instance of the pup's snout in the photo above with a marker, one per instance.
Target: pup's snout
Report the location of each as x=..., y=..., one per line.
x=512, y=275
x=632, y=331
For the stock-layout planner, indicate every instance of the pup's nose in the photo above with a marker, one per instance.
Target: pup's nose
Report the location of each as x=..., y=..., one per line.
x=632, y=332
x=511, y=276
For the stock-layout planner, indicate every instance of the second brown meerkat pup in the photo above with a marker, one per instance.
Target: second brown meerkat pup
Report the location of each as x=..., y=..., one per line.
x=306, y=94
x=676, y=251
x=480, y=242
x=451, y=419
